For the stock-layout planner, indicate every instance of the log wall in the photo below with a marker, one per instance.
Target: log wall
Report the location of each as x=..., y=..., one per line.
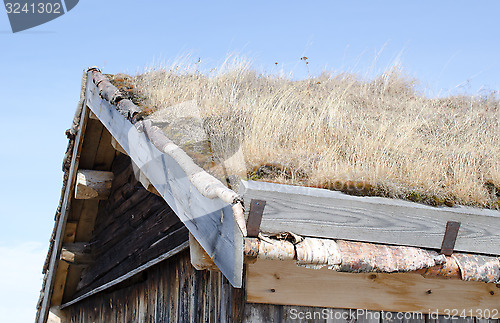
x=173, y=291
x=133, y=226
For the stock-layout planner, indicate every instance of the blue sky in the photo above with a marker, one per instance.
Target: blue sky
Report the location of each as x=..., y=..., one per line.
x=450, y=46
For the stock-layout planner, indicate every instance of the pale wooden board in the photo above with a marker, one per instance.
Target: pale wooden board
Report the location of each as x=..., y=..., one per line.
x=86, y=220
x=70, y=232
x=105, y=152
x=329, y=214
x=59, y=283
x=209, y=220
x=283, y=282
x=63, y=267
x=90, y=145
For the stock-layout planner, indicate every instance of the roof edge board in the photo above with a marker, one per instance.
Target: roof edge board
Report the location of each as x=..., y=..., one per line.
x=210, y=219
x=43, y=312
x=330, y=214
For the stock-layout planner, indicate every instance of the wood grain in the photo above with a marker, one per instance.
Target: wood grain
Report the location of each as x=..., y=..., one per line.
x=93, y=184
x=173, y=291
x=330, y=214
x=209, y=220
x=283, y=282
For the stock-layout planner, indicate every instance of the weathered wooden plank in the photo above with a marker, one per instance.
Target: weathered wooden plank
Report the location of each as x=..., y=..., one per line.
x=61, y=224
x=130, y=274
x=85, y=225
x=449, y=318
x=74, y=212
x=121, y=231
x=105, y=153
x=87, y=220
x=91, y=280
x=72, y=278
x=209, y=220
x=159, y=294
x=122, y=224
x=330, y=214
x=294, y=313
x=283, y=282
x=56, y=316
x=368, y=316
x=96, y=153
x=256, y=313
x=90, y=145
x=70, y=232
x=93, y=184
x=59, y=283
x=214, y=292
x=133, y=246
x=199, y=258
x=400, y=317
x=127, y=199
x=75, y=258
x=486, y=320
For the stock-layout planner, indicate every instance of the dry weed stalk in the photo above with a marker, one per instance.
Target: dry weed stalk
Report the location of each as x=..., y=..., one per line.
x=340, y=128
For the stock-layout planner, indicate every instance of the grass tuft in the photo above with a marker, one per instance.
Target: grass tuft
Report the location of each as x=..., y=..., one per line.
x=339, y=131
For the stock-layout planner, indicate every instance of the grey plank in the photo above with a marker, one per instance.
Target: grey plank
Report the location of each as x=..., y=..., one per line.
x=331, y=214
x=257, y=313
x=402, y=317
x=488, y=320
x=365, y=316
x=209, y=220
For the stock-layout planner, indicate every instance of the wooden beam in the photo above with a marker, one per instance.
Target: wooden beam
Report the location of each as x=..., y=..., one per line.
x=92, y=116
x=70, y=232
x=199, y=258
x=59, y=283
x=284, y=283
x=323, y=213
x=93, y=184
x=77, y=247
x=56, y=315
x=117, y=146
x=77, y=254
x=210, y=220
x=90, y=145
x=75, y=258
x=143, y=179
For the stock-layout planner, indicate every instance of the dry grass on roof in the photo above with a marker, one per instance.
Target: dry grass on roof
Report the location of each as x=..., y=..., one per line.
x=338, y=131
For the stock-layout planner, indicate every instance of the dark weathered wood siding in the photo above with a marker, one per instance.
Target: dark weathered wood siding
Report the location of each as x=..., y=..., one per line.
x=173, y=291
x=133, y=226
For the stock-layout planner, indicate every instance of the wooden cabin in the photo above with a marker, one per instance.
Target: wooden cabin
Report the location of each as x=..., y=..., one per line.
x=143, y=234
